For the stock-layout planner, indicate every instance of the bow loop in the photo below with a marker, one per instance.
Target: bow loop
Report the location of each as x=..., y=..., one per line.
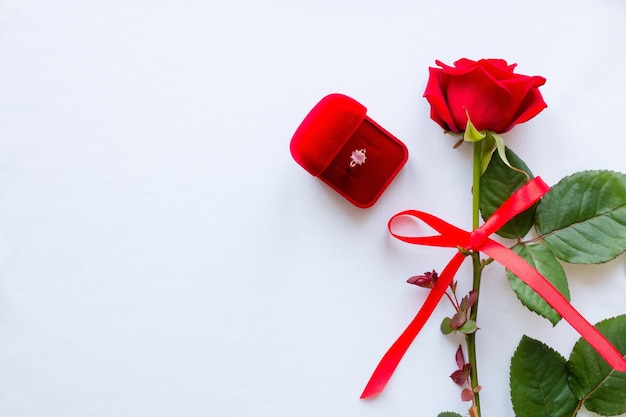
x=450, y=236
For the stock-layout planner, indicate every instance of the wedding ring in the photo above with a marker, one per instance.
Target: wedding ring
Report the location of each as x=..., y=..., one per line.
x=357, y=157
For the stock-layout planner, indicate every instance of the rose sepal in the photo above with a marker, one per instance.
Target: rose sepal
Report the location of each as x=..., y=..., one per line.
x=472, y=134
x=502, y=152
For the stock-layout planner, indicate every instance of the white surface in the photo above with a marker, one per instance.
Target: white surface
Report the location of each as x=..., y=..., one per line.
x=162, y=255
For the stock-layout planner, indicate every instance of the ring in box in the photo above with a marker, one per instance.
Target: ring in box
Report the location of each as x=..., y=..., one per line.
x=341, y=145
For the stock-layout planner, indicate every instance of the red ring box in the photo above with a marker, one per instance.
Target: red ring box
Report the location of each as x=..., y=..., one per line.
x=323, y=144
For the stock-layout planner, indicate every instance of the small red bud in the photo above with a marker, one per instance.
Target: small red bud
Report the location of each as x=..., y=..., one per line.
x=473, y=297
x=425, y=281
x=458, y=319
x=467, y=370
x=460, y=358
x=421, y=281
x=464, y=303
x=458, y=377
x=467, y=395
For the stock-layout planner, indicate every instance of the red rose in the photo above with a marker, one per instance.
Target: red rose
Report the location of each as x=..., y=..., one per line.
x=489, y=91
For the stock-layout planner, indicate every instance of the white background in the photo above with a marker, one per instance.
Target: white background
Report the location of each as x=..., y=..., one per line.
x=161, y=254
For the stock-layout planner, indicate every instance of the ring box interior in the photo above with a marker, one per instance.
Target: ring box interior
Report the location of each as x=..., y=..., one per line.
x=325, y=140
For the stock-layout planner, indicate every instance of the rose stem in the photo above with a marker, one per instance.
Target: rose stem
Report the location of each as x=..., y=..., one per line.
x=477, y=270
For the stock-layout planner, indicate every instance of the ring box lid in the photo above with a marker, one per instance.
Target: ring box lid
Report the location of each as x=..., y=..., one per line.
x=325, y=140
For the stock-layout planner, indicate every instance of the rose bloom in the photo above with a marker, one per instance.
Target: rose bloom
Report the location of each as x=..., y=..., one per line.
x=494, y=96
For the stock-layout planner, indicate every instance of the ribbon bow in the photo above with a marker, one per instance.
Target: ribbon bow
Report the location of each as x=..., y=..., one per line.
x=478, y=240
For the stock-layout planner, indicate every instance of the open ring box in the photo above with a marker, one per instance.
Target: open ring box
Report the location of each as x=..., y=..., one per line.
x=328, y=136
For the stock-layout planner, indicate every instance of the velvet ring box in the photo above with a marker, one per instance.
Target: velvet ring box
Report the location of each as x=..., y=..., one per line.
x=341, y=145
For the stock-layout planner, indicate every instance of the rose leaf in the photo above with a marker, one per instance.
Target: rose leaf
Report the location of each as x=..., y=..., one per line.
x=468, y=327
x=540, y=258
x=582, y=219
x=538, y=381
x=446, y=327
x=601, y=388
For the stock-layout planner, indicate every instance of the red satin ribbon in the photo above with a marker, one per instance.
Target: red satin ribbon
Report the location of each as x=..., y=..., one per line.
x=478, y=240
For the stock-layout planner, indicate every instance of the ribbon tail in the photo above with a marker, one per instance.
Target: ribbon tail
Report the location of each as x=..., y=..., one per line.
x=548, y=292
x=390, y=361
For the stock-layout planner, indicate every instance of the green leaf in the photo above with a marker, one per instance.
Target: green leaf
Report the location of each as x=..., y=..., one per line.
x=497, y=184
x=538, y=380
x=539, y=257
x=582, y=219
x=592, y=380
x=449, y=414
x=468, y=327
x=445, y=327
